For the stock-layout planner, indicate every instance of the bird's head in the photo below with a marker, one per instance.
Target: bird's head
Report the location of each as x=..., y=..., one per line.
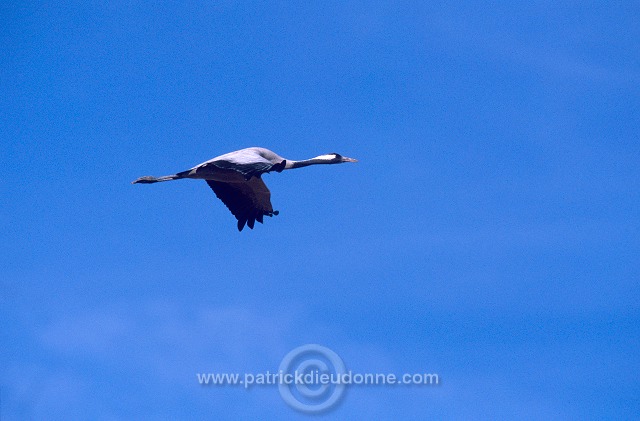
x=335, y=158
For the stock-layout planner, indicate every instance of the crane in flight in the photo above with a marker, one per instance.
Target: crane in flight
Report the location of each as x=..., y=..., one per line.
x=236, y=179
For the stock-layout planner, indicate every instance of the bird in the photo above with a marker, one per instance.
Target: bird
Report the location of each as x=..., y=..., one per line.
x=236, y=179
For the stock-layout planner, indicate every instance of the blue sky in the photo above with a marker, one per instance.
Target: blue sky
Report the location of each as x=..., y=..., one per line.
x=489, y=233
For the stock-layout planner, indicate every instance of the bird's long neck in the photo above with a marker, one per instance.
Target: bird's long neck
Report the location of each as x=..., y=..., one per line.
x=322, y=159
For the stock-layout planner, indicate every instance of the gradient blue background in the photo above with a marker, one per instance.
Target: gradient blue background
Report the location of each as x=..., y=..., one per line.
x=489, y=233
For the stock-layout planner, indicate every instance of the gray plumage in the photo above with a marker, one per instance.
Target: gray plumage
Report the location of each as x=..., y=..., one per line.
x=236, y=179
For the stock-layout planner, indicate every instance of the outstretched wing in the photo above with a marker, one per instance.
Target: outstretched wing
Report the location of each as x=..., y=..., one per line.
x=248, y=201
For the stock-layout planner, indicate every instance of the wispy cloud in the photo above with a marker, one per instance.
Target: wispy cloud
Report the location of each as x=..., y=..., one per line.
x=537, y=55
x=157, y=343
x=166, y=335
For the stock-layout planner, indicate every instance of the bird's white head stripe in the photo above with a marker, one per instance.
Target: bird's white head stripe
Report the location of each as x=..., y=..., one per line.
x=326, y=157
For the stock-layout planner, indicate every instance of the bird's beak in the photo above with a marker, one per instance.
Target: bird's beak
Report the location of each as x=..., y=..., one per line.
x=345, y=159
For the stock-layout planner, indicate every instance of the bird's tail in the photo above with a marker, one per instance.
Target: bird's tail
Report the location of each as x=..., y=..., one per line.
x=147, y=179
